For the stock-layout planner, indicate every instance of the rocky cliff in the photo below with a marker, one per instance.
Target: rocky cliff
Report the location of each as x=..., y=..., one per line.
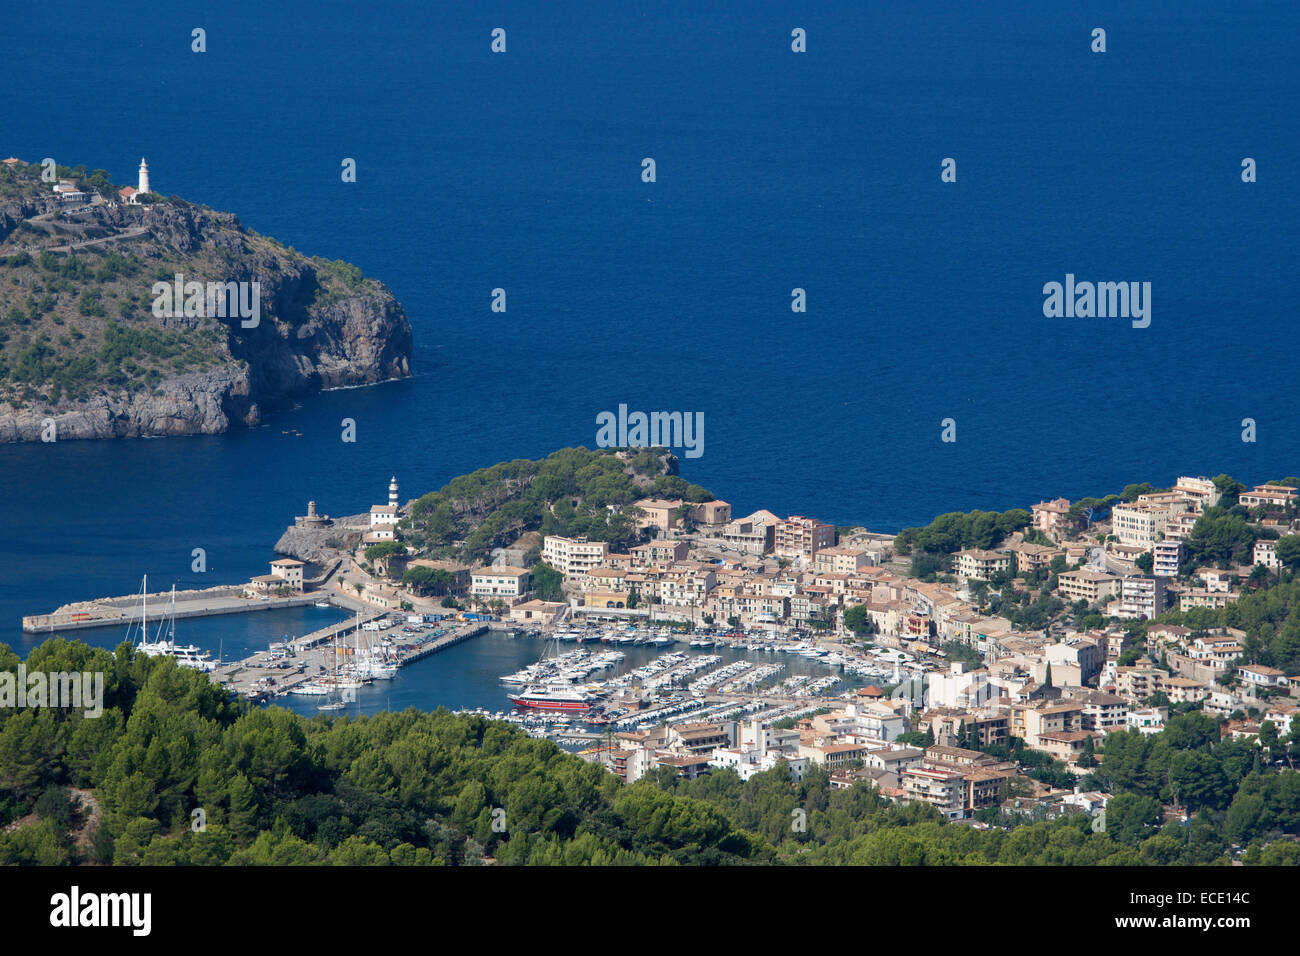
x=84, y=347
x=320, y=546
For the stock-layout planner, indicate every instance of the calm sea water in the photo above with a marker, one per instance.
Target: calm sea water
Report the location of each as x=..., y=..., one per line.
x=775, y=170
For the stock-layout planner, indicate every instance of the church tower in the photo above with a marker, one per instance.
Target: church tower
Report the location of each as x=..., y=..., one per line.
x=144, y=176
x=392, y=492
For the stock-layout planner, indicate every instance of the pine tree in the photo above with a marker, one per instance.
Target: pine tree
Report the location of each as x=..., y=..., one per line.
x=243, y=809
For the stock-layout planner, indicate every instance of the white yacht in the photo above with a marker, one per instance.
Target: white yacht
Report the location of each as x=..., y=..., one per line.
x=189, y=656
x=310, y=689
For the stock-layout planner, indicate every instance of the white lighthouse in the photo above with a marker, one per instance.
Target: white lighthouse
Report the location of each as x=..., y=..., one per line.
x=392, y=492
x=144, y=176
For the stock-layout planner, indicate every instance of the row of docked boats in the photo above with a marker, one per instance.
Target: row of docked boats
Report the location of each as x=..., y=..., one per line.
x=366, y=659
x=640, y=636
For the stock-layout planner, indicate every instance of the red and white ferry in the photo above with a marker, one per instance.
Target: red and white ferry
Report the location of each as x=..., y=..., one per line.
x=552, y=697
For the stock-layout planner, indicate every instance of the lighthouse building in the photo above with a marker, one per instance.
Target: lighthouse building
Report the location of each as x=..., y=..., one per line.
x=386, y=514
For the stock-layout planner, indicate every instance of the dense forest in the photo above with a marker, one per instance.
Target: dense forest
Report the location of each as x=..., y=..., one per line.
x=175, y=772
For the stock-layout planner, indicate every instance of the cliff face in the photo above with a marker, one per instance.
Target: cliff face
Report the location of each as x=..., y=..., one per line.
x=206, y=403
x=322, y=325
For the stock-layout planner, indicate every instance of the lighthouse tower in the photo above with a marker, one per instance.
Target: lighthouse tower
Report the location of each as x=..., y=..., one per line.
x=392, y=492
x=144, y=176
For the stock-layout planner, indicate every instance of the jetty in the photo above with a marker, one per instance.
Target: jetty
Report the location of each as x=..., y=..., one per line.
x=272, y=673
x=124, y=611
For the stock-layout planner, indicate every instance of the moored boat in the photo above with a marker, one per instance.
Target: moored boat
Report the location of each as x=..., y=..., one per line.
x=551, y=697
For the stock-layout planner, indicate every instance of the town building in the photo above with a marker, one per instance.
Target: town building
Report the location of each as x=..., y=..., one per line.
x=573, y=557
x=1139, y=523
x=1166, y=558
x=1260, y=675
x=504, y=582
x=979, y=565
x=1032, y=719
x=1032, y=557
x=1142, y=596
x=1201, y=490
x=840, y=560
x=1089, y=585
x=711, y=513
x=662, y=514
x=659, y=552
x=1268, y=496
x=945, y=790
x=755, y=534
x=800, y=537
x=541, y=613
x=1266, y=553
x=1052, y=517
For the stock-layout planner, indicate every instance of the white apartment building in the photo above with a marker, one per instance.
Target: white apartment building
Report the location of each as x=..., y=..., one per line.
x=1166, y=558
x=686, y=587
x=978, y=565
x=1266, y=553
x=1268, y=496
x=1202, y=489
x=1088, y=585
x=1141, y=523
x=945, y=790
x=1148, y=720
x=840, y=560
x=573, y=557
x=960, y=688
x=502, y=582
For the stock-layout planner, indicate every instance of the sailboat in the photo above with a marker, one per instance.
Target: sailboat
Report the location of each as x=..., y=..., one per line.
x=335, y=702
x=368, y=662
x=189, y=656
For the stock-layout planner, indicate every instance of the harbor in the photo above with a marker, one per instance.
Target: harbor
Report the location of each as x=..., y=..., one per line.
x=575, y=682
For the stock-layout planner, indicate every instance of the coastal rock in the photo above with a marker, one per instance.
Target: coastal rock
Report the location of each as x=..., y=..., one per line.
x=321, y=325
x=195, y=404
x=321, y=545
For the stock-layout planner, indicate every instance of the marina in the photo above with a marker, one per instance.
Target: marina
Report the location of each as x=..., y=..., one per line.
x=575, y=682
x=647, y=686
x=339, y=660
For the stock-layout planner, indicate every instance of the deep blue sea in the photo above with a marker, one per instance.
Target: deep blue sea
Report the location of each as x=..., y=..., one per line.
x=775, y=170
